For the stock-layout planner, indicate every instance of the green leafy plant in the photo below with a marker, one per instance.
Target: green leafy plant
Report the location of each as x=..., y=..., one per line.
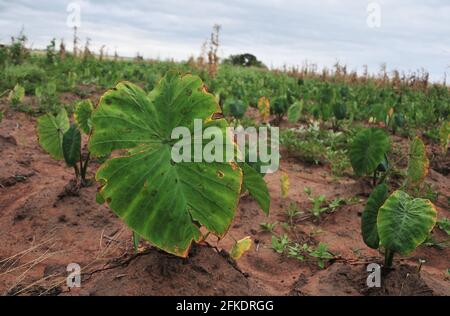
x=299, y=252
x=279, y=244
x=310, y=150
x=166, y=202
x=322, y=254
x=235, y=108
x=368, y=152
x=304, y=251
x=339, y=112
x=398, y=223
x=47, y=97
x=62, y=140
x=418, y=164
x=444, y=136
x=339, y=161
x=268, y=227
x=295, y=111
x=317, y=201
x=292, y=212
x=279, y=107
x=16, y=95
x=444, y=224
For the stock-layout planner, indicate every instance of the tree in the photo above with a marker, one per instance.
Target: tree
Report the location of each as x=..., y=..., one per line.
x=244, y=60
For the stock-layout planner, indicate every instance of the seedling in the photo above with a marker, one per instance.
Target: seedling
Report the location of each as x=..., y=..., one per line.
x=299, y=252
x=317, y=203
x=279, y=244
x=62, y=140
x=322, y=254
x=268, y=227
x=292, y=211
x=337, y=202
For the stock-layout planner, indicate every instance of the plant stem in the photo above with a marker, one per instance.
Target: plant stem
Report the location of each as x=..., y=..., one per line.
x=388, y=258
x=84, y=168
x=77, y=172
x=375, y=178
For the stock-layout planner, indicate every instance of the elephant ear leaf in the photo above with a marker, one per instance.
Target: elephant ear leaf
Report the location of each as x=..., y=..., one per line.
x=72, y=145
x=368, y=149
x=83, y=112
x=418, y=164
x=370, y=214
x=50, y=132
x=256, y=186
x=164, y=201
x=405, y=222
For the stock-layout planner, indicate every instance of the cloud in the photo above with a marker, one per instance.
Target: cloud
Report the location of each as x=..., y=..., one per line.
x=413, y=34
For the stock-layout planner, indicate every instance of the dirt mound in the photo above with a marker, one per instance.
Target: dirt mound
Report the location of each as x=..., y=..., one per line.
x=205, y=272
x=343, y=279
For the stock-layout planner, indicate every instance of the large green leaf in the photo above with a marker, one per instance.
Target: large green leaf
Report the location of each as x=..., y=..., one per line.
x=368, y=149
x=405, y=222
x=50, y=132
x=71, y=145
x=163, y=201
x=83, y=112
x=369, y=217
x=418, y=164
x=256, y=186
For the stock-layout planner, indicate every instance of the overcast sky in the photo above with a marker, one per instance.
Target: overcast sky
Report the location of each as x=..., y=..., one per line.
x=411, y=34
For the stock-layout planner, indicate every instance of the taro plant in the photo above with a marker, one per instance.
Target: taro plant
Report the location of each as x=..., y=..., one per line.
x=279, y=107
x=368, y=152
x=235, y=108
x=339, y=112
x=398, y=223
x=169, y=203
x=62, y=140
